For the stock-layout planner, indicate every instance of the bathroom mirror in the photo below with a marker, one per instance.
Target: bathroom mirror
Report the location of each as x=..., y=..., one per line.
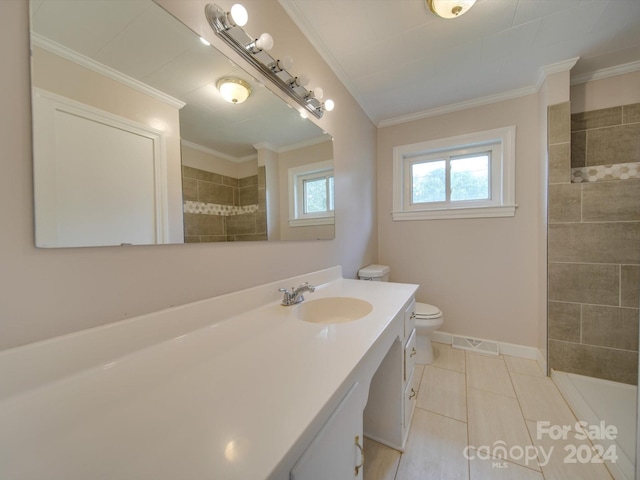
x=134, y=145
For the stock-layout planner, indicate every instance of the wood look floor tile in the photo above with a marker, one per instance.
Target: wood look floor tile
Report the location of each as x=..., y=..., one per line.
x=445, y=356
x=541, y=400
x=381, y=462
x=524, y=366
x=500, y=470
x=444, y=392
x=435, y=449
x=488, y=373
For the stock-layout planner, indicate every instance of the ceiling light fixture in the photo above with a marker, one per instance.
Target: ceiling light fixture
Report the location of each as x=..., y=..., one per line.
x=234, y=90
x=450, y=8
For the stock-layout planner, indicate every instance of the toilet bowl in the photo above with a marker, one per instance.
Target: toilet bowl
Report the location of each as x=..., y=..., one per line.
x=428, y=320
x=428, y=317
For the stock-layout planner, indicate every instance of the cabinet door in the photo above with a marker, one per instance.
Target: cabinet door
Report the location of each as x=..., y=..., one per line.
x=336, y=452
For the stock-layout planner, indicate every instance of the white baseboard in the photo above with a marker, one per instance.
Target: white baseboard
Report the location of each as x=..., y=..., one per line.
x=510, y=349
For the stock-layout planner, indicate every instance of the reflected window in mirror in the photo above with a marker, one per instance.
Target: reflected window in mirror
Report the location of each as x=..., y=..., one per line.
x=311, y=195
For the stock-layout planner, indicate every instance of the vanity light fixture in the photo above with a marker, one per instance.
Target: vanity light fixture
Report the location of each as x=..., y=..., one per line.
x=450, y=8
x=228, y=26
x=234, y=90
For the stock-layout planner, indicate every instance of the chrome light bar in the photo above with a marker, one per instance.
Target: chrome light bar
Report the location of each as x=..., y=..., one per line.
x=248, y=47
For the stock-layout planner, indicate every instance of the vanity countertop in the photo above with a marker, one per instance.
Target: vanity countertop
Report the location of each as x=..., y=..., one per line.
x=226, y=400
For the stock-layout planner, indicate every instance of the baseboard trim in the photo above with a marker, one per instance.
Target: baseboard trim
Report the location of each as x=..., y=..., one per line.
x=510, y=349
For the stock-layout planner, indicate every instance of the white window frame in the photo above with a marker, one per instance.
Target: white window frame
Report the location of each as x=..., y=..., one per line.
x=501, y=143
x=297, y=176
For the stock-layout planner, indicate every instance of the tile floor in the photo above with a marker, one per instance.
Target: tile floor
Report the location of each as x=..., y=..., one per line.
x=471, y=410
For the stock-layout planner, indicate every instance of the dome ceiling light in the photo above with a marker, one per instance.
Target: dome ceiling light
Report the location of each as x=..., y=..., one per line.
x=450, y=8
x=234, y=90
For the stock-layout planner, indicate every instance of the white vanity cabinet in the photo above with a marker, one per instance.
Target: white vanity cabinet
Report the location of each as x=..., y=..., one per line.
x=336, y=452
x=411, y=381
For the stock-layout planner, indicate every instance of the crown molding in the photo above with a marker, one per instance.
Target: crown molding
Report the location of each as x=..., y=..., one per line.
x=606, y=73
x=86, y=62
x=215, y=153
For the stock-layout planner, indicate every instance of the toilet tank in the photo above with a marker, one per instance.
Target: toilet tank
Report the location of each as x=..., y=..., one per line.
x=376, y=273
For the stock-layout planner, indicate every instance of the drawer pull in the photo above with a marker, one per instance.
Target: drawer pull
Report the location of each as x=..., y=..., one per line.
x=413, y=352
x=413, y=393
x=413, y=315
x=358, y=467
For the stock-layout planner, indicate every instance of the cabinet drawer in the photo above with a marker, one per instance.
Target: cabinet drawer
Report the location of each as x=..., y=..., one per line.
x=409, y=319
x=410, y=354
x=410, y=397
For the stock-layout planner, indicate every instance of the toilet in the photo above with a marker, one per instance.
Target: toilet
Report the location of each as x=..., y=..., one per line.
x=428, y=317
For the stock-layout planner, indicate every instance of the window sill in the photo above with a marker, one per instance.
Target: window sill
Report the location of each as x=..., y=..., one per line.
x=310, y=222
x=451, y=213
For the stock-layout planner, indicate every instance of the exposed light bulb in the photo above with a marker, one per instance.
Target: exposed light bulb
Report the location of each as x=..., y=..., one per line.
x=318, y=93
x=239, y=15
x=329, y=105
x=264, y=42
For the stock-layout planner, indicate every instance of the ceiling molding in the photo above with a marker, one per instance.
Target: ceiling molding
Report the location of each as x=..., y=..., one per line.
x=456, y=107
x=606, y=73
x=215, y=153
x=86, y=62
x=545, y=71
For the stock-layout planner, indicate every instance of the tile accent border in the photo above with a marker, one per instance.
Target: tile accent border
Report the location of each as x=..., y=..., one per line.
x=215, y=209
x=599, y=173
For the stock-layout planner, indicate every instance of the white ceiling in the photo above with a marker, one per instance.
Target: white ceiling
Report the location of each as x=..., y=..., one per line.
x=400, y=61
x=141, y=40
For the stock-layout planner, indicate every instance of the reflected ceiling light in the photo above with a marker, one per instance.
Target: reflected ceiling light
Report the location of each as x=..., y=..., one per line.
x=234, y=90
x=204, y=41
x=450, y=8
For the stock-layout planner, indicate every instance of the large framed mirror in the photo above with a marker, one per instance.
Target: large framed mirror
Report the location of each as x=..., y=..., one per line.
x=134, y=144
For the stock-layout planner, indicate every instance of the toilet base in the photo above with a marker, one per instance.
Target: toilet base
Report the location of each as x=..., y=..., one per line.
x=424, y=355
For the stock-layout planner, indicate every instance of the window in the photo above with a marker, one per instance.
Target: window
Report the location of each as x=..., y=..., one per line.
x=458, y=177
x=311, y=194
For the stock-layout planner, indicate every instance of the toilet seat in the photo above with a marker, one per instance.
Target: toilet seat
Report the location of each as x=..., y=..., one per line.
x=424, y=311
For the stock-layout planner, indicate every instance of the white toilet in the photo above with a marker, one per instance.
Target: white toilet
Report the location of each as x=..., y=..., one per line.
x=428, y=318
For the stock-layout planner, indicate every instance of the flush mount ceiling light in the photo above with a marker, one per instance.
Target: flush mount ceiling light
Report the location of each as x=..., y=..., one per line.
x=234, y=90
x=450, y=8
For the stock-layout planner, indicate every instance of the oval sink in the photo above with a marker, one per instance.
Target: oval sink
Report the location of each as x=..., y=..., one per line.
x=333, y=310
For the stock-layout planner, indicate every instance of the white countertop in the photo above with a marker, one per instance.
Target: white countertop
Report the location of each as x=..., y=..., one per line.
x=223, y=401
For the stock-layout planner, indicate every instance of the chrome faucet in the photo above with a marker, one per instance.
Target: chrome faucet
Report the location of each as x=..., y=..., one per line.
x=295, y=295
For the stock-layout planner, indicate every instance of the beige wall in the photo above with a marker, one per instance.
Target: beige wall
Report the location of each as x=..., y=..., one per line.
x=608, y=92
x=482, y=273
x=44, y=293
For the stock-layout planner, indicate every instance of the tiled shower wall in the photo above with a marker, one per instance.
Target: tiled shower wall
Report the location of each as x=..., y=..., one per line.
x=594, y=243
x=219, y=208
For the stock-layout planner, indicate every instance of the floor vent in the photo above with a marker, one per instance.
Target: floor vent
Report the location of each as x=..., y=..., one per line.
x=475, y=345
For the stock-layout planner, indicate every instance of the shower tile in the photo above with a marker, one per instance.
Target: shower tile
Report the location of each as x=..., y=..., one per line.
x=584, y=283
x=605, y=117
x=540, y=400
x=196, y=173
x=241, y=224
x=262, y=176
x=630, y=286
x=559, y=123
x=611, y=201
x=197, y=224
x=564, y=321
x=488, y=373
x=247, y=181
x=578, y=149
x=212, y=238
x=191, y=239
x=248, y=195
x=565, y=202
x=214, y=193
x=613, y=327
x=435, y=449
x=604, y=242
x=614, y=145
x=631, y=113
x=560, y=163
x=599, y=362
x=443, y=391
x=189, y=189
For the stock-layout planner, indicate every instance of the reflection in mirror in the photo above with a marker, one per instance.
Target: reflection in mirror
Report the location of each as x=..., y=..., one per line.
x=133, y=143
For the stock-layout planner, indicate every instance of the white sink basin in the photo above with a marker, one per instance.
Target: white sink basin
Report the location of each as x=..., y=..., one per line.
x=333, y=310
